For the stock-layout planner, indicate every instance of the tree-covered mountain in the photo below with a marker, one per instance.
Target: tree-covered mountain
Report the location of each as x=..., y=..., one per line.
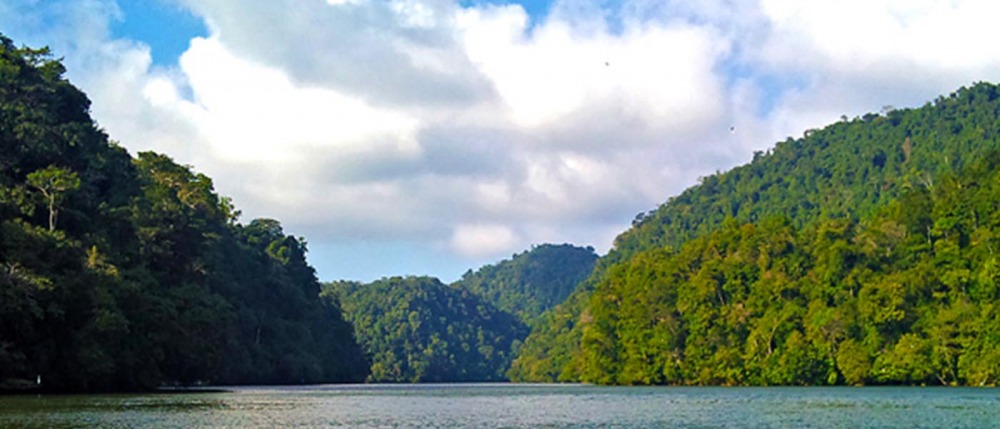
x=416, y=329
x=120, y=273
x=846, y=172
x=908, y=295
x=532, y=281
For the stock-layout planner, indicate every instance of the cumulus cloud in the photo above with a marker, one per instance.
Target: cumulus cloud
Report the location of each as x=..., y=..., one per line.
x=855, y=56
x=476, y=131
x=483, y=240
x=375, y=49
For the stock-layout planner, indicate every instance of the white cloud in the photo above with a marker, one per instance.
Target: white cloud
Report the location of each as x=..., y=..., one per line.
x=476, y=131
x=855, y=56
x=254, y=114
x=483, y=240
x=359, y=48
x=661, y=75
x=856, y=35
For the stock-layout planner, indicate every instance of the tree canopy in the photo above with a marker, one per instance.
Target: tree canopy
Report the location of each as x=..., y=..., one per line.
x=905, y=296
x=839, y=178
x=416, y=329
x=121, y=273
x=532, y=281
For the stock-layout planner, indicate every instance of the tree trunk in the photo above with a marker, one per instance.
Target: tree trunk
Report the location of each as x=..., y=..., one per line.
x=52, y=212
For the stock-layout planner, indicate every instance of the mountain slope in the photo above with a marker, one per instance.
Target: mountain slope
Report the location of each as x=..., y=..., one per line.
x=532, y=281
x=905, y=296
x=121, y=273
x=846, y=170
x=416, y=329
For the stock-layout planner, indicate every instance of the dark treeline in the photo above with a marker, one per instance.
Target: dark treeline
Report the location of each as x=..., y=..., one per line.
x=122, y=273
x=417, y=329
x=843, y=176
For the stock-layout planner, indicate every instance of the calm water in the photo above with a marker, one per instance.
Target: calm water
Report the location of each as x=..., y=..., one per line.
x=514, y=406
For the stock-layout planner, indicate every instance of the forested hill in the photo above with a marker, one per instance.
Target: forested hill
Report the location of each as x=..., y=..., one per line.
x=848, y=171
x=909, y=295
x=416, y=329
x=121, y=273
x=532, y=281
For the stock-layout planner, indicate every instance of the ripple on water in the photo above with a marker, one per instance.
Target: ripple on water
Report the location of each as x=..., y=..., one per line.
x=512, y=406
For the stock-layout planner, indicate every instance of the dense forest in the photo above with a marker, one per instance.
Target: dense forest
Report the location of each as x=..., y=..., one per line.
x=120, y=273
x=417, y=329
x=532, y=281
x=859, y=253
x=906, y=296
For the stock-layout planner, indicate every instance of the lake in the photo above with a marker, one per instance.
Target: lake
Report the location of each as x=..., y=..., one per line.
x=513, y=406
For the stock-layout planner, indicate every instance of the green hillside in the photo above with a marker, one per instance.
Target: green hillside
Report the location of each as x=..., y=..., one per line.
x=416, y=329
x=905, y=296
x=848, y=172
x=532, y=281
x=121, y=273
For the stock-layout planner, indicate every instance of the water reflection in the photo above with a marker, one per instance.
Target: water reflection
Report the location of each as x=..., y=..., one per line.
x=514, y=406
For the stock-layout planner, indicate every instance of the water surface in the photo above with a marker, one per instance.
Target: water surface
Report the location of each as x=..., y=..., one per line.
x=513, y=406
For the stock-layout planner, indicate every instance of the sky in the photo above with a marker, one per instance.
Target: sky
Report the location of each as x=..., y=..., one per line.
x=430, y=137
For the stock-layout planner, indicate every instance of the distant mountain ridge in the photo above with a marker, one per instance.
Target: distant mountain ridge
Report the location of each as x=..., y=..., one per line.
x=532, y=281
x=416, y=329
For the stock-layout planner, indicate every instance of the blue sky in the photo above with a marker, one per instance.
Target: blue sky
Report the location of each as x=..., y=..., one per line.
x=166, y=27
x=537, y=9
x=434, y=136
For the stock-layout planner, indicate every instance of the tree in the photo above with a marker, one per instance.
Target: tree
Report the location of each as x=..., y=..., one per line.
x=54, y=182
x=853, y=362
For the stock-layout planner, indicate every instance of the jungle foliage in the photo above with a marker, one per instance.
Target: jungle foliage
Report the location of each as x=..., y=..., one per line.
x=122, y=273
x=417, y=329
x=859, y=253
x=532, y=281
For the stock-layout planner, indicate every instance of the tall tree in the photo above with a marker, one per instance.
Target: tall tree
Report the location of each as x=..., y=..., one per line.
x=53, y=182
